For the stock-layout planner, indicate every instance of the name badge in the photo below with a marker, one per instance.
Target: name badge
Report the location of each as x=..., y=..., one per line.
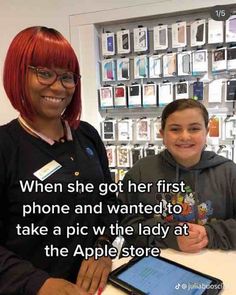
x=47, y=170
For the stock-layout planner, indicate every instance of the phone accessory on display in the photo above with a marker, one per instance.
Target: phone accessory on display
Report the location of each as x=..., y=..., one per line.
x=140, y=39
x=169, y=65
x=165, y=93
x=140, y=67
x=160, y=37
x=231, y=58
x=134, y=96
x=231, y=90
x=111, y=155
x=108, y=44
x=215, y=31
x=182, y=90
x=125, y=130
x=230, y=29
x=150, y=94
x=123, y=156
x=114, y=175
x=120, y=96
x=214, y=126
x=157, y=128
x=200, y=61
x=179, y=33
x=106, y=97
x=225, y=151
x=184, y=63
x=219, y=59
x=136, y=153
x=150, y=150
x=198, y=29
x=143, y=129
x=108, y=70
x=229, y=127
x=123, y=69
x=123, y=42
x=216, y=90
x=155, y=66
x=108, y=130
x=198, y=90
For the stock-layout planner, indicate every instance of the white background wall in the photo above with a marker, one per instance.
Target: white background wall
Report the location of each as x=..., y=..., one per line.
x=16, y=15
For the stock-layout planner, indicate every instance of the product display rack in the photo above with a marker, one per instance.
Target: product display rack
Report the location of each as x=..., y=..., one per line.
x=224, y=110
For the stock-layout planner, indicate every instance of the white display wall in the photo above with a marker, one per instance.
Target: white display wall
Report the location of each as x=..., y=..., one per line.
x=86, y=32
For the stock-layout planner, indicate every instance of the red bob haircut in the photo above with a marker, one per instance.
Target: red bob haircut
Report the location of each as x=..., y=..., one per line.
x=39, y=46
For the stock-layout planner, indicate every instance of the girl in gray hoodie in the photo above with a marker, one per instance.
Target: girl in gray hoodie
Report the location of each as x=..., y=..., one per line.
x=208, y=202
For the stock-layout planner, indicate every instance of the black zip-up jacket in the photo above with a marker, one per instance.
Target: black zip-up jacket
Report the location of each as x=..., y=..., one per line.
x=23, y=263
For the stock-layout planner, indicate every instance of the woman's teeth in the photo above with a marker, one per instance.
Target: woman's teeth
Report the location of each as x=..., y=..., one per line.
x=53, y=99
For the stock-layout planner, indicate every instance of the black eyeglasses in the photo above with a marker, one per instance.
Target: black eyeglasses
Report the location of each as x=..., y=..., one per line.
x=47, y=77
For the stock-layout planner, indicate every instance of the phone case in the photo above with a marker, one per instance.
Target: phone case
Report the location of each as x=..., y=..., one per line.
x=231, y=53
x=125, y=71
x=134, y=90
x=134, y=96
x=232, y=25
x=182, y=88
x=231, y=58
x=186, y=63
x=162, y=37
x=125, y=41
x=110, y=45
x=111, y=155
x=214, y=127
x=172, y=65
x=124, y=130
x=143, y=129
x=219, y=55
x=150, y=152
x=123, y=159
x=142, y=39
x=156, y=129
x=109, y=70
x=120, y=99
x=106, y=92
x=149, y=89
x=142, y=68
x=157, y=67
x=109, y=74
x=199, y=35
x=119, y=91
x=108, y=130
x=108, y=127
x=181, y=34
x=231, y=90
x=135, y=156
x=200, y=56
x=114, y=175
x=106, y=97
x=198, y=90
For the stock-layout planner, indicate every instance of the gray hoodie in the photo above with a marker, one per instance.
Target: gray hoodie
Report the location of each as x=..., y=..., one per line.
x=209, y=199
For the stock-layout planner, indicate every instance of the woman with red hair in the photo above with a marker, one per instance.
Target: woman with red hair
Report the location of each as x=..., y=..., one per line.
x=44, y=154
